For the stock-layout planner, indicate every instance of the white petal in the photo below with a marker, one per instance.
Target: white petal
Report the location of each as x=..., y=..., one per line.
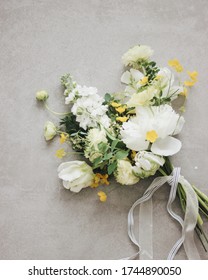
x=136, y=74
x=179, y=125
x=166, y=147
x=125, y=78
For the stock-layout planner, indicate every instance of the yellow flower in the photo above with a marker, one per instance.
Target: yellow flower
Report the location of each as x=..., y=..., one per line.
x=144, y=81
x=184, y=92
x=122, y=119
x=189, y=83
x=102, y=196
x=183, y=109
x=175, y=64
x=60, y=153
x=151, y=136
x=100, y=179
x=193, y=75
x=120, y=109
x=115, y=104
x=63, y=137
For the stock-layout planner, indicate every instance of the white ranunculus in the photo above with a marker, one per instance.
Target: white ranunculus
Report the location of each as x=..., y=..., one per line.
x=136, y=54
x=124, y=173
x=41, y=95
x=50, y=130
x=94, y=137
x=154, y=127
x=146, y=164
x=76, y=175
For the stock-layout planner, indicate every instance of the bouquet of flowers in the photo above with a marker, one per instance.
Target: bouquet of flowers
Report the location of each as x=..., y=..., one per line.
x=129, y=134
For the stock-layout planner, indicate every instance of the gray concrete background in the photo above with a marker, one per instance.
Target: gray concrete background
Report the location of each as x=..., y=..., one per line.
x=40, y=41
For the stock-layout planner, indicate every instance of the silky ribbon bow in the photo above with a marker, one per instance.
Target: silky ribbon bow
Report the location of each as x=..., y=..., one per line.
x=145, y=244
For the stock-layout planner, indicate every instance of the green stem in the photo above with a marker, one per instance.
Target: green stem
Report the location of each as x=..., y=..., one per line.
x=53, y=112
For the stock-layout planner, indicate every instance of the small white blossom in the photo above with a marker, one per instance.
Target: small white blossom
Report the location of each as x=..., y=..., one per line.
x=50, y=130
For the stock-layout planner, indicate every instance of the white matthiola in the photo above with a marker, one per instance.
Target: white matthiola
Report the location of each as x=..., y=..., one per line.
x=76, y=175
x=94, y=137
x=136, y=54
x=146, y=164
x=164, y=84
x=154, y=127
x=80, y=91
x=124, y=173
x=89, y=111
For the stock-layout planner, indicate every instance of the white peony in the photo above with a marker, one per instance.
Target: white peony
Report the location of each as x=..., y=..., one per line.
x=50, y=130
x=146, y=164
x=136, y=54
x=94, y=137
x=89, y=111
x=124, y=173
x=76, y=175
x=153, y=127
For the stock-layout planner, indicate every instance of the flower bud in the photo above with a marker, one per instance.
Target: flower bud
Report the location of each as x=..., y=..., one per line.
x=50, y=131
x=42, y=95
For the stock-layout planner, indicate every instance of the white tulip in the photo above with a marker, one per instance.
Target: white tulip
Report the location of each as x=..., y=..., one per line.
x=76, y=175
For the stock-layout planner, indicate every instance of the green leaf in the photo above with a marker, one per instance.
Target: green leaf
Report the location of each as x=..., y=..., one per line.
x=114, y=143
x=97, y=161
x=103, y=147
x=107, y=156
x=122, y=154
x=108, y=97
x=112, y=167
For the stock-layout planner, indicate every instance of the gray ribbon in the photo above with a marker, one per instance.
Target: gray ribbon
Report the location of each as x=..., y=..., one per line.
x=145, y=247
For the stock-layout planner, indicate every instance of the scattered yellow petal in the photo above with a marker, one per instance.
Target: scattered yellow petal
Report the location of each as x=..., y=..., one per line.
x=144, y=81
x=115, y=104
x=63, y=137
x=120, y=110
x=175, y=64
x=60, y=153
x=102, y=196
x=184, y=92
x=151, y=136
x=122, y=119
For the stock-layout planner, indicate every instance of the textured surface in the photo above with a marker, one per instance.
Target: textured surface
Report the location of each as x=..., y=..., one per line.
x=41, y=40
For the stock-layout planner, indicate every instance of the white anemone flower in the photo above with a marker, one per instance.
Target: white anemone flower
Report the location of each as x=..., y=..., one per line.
x=153, y=128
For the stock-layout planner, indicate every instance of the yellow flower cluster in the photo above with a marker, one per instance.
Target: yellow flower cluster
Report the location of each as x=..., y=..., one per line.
x=100, y=179
x=63, y=137
x=193, y=79
x=175, y=64
x=60, y=153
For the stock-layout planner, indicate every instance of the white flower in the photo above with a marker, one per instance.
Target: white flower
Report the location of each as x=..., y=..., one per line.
x=95, y=136
x=89, y=111
x=133, y=79
x=164, y=84
x=41, y=95
x=76, y=175
x=147, y=164
x=153, y=126
x=124, y=173
x=80, y=91
x=137, y=53
x=50, y=130
x=142, y=98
